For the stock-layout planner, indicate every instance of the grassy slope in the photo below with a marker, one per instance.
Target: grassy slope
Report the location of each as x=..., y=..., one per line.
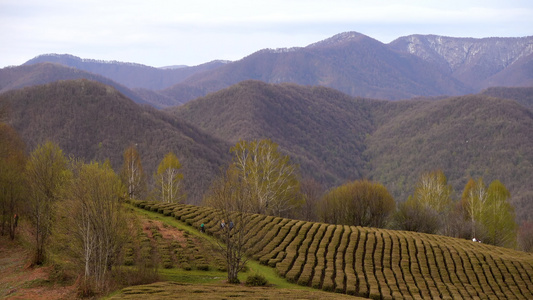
x=379, y=263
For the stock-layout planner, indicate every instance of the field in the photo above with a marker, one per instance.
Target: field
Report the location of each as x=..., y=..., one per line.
x=370, y=262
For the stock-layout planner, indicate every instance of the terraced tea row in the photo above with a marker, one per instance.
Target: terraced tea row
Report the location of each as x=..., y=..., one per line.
x=375, y=263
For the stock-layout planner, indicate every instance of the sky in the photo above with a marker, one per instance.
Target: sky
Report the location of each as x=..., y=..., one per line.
x=163, y=33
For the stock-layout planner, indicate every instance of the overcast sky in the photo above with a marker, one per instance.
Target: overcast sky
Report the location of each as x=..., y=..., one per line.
x=161, y=33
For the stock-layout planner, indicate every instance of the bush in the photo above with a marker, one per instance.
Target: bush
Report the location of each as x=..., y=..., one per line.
x=86, y=289
x=256, y=280
x=167, y=264
x=128, y=261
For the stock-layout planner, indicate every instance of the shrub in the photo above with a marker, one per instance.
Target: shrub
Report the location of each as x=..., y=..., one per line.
x=86, y=288
x=256, y=280
x=167, y=264
x=128, y=261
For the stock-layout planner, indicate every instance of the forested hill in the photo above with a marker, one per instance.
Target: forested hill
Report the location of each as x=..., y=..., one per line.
x=322, y=129
x=467, y=137
x=522, y=95
x=92, y=121
x=336, y=138
x=35, y=74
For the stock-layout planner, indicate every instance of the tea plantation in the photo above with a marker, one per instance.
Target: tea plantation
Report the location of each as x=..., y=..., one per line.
x=371, y=262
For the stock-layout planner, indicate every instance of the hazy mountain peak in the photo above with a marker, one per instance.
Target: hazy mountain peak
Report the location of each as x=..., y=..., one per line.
x=339, y=39
x=68, y=59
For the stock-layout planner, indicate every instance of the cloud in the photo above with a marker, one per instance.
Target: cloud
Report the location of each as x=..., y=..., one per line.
x=162, y=32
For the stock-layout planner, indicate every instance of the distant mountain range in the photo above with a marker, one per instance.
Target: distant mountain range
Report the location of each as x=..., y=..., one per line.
x=355, y=64
x=313, y=101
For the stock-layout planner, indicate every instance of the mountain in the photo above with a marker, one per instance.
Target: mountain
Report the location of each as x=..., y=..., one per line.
x=336, y=138
x=355, y=64
x=94, y=121
x=350, y=62
x=323, y=130
x=478, y=63
x=12, y=78
x=131, y=75
x=418, y=65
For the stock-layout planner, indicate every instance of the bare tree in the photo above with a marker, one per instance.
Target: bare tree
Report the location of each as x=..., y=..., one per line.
x=231, y=197
x=168, y=179
x=311, y=191
x=133, y=174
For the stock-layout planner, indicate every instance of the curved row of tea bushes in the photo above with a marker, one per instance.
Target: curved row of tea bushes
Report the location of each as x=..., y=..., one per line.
x=375, y=263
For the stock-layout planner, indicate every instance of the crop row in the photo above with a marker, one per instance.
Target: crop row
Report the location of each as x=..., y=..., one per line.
x=150, y=248
x=375, y=263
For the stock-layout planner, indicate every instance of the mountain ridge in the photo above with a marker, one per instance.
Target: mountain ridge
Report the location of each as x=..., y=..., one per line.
x=132, y=75
x=356, y=64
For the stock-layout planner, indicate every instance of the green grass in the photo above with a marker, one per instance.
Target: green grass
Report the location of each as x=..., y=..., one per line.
x=201, y=277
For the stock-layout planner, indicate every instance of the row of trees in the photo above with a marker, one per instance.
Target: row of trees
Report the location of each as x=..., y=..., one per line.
x=65, y=202
x=483, y=213
x=167, y=179
x=74, y=207
x=269, y=184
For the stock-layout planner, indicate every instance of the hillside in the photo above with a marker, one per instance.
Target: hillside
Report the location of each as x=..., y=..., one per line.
x=371, y=262
x=522, y=95
x=322, y=130
x=12, y=78
x=90, y=120
x=337, y=138
x=333, y=137
x=131, y=75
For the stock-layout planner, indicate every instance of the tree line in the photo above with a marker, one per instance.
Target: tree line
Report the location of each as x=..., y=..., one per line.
x=270, y=184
